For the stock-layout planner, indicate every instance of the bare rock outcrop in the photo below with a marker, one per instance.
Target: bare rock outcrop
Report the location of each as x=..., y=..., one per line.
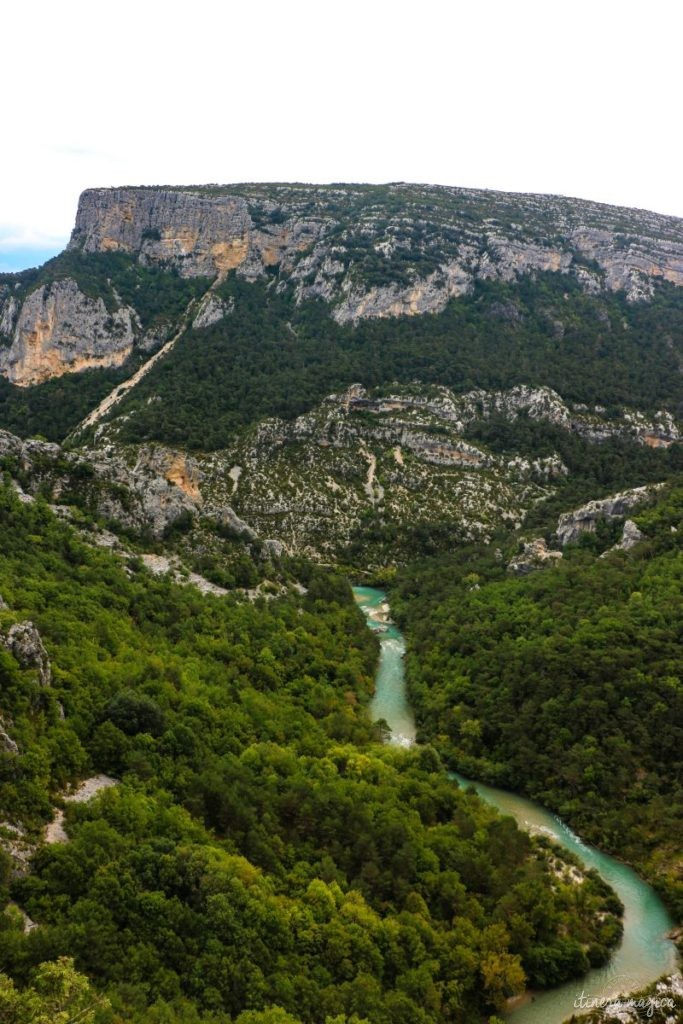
x=571, y=525
x=159, y=487
x=209, y=230
x=212, y=311
x=60, y=330
x=145, y=490
x=9, y=307
x=25, y=643
x=202, y=232
x=15, y=842
x=630, y=537
x=535, y=555
x=366, y=251
x=429, y=295
x=7, y=744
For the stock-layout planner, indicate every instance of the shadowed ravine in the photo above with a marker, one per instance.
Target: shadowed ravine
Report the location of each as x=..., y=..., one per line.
x=645, y=952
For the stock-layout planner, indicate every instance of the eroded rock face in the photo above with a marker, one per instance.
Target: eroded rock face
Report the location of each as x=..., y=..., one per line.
x=424, y=244
x=14, y=841
x=212, y=311
x=161, y=486
x=201, y=232
x=7, y=744
x=571, y=525
x=630, y=537
x=145, y=490
x=536, y=555
x=8, y=314
x=310, y=231
x=25, y=643
x=426, y=296
x=60, y=330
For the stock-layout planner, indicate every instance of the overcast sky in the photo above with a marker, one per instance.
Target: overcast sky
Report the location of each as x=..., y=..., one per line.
x=577, y=98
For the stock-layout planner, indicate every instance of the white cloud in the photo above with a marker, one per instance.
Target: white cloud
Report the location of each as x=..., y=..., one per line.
x=28, y=236
x=524, y=95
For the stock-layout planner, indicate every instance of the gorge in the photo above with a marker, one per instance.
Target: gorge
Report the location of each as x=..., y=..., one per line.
x=645, y=952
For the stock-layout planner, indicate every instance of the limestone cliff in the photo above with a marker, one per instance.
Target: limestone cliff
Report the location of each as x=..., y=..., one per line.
x=571, y=525
x=366, y=251
x=440, y=239
x=200, y=232
x=146, y=490
x=60, y=330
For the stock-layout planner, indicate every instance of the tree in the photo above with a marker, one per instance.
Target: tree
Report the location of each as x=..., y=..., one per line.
x=58, y=995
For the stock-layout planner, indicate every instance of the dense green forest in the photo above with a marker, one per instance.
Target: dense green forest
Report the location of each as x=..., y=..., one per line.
x=566, y=684
x=272, y=357
x=261, y=849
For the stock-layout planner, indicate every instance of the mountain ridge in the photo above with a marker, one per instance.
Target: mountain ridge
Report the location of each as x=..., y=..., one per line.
x=373, y=251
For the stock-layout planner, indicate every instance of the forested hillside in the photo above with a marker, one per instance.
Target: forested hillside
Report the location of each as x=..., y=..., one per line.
x=565, y=684
x=260, y=847
x=261, y=393
x=273, y=356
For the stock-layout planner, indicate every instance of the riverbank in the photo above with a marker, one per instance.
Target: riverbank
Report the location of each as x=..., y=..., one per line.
x=645, y=952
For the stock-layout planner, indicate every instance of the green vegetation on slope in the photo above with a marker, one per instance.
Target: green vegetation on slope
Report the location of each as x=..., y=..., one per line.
x=157, y=295
x=160, y=297
x=596, y=469
x=271, y=357
x=566, y=685
x=262, y=849
x=51, y=410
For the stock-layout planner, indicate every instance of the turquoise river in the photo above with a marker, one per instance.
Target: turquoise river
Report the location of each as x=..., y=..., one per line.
x=645, y=952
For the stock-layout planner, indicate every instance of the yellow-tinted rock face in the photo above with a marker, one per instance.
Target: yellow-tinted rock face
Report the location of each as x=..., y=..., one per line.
x=366, y=251
x=61, y=330
x=185, y=476
x=201, y=233
x=229, y=255
x=179, y=240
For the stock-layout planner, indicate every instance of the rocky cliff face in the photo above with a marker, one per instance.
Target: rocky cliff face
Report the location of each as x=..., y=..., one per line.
x=571, y=525
x=201, y=233
x=25, y=643
x=60, y=330
x=430, y=243
x=366, y=251
x=146, y=490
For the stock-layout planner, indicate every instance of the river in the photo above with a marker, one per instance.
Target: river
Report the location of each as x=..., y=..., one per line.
x=645, y=952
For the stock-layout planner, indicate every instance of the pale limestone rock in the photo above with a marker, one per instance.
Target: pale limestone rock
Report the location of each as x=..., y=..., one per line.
x=148, y=493
x=55, y=831
x=631, y=265
x=310, y=236
x=25, y=643
x=61, y=330
x=536, y=555
x=8, y=315
x=273, y=548
x=571, y=525
x=630, y=536
x=428, y=295
x=89, y=788
x=212, y=311
x=13, y=840
x=199, y=232
x=7, y=744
